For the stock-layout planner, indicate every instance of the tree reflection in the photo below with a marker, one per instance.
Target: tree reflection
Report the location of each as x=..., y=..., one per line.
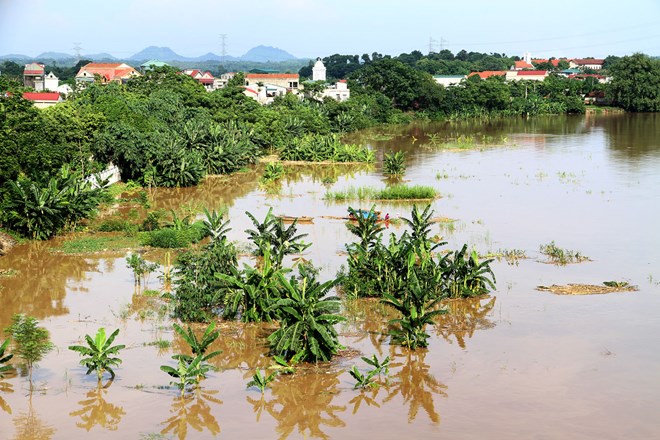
x=193, y=411
x=463, y=317
x=368, y=397
x=303, y=402
x=30, y=427
x=415, y=385
x=95, y=410
x=5, y=388
x=40, y=288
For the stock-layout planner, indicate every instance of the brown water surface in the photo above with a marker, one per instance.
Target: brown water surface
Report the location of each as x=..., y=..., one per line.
x=517, y=364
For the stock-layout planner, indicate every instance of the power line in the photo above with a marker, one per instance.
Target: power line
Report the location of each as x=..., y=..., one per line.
x=223, y=45
x=77, y=49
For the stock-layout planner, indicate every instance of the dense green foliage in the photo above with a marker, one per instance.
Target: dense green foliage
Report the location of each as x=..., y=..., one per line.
x=307, y=318
x=318, y=148
x=636, y=83
x=40, y=209
x=30, y=342
x=407, y=275
x=4, y=358
x=394, y=164
x=99, y=354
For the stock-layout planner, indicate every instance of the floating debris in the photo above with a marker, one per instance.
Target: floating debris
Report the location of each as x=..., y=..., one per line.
x=589, y=289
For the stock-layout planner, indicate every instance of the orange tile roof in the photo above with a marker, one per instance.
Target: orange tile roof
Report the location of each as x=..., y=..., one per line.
x=109, y=71
x=523, y=65
x=582, y=62
x=488, y=73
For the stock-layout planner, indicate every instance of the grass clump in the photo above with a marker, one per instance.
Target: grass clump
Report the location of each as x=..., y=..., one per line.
x=394, y=192
x=96, y=243
x=559, y=256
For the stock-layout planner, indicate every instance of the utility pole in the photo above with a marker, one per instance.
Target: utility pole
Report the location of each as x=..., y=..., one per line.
x=442, y=43
x=223, y=46
x=431, y=44
x=77, y=49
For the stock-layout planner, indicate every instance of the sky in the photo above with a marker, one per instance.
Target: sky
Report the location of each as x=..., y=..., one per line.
x=311, y=28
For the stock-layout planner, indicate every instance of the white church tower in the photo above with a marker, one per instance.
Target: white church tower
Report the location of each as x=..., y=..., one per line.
x=318, y=71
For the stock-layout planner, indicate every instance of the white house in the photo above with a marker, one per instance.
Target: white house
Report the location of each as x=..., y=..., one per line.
x=588, y=63
x=449, y=80
x=526, y=75
x=338, y=91
x=51, y=82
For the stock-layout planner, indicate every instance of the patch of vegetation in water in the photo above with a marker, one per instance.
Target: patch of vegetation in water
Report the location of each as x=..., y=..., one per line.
x=97, y=243
x=511, y=256
x=557, y=255
x=394, y=192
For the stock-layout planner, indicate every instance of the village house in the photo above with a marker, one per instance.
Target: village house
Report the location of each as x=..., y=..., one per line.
x=106, y=72
x=204, y=78
x=488, y=73
x=526, y=75
x=520, y=65
x=338, y=91
x=588, y=63
x=221, y=82
x=33, y=76
x=448, y=80
x=43, y=99
x=151, y=65
x=289, y=81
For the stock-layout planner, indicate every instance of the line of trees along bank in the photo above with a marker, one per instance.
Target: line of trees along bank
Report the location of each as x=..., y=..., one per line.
x=164, y=129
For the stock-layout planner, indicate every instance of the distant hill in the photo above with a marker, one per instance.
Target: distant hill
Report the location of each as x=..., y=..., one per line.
x=267, y=53
x=157, y=53
x=54, y=56
x=98, y=57
x=259, y=54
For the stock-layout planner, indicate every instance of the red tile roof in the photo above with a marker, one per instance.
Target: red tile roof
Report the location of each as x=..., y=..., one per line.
x=554, y=62
x=488, y=73
x=523, y=65
x=272, y=75
x=41, y=96
x=533, y=72
x=582, y=62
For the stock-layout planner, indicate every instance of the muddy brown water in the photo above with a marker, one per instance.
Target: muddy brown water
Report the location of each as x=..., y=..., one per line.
x=519, y=364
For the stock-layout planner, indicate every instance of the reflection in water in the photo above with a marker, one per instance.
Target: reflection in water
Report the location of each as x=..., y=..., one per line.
x=367, y=318
x=5, y=388
x=415, y=385
x=30, y=427
x=242, y=345
x=632, y=136
x=463, y=317
x=368, y=397
x=40, y=288
x=96, y=411
x=194, y=411
x=212, y=193
x=303, y=401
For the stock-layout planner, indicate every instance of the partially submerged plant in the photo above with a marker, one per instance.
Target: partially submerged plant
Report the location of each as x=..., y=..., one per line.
x=560, y=256
x=273, y=171
x=141, y=268
x=31, y=342
x=187, y=373
x=99, y=352
x=394, y=164
x=199, y=346
x=261, y=381
x=368, y=380
x=4, y=367
x=307, y=319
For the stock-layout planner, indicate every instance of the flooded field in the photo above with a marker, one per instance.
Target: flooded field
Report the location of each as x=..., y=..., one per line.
x=521, y=363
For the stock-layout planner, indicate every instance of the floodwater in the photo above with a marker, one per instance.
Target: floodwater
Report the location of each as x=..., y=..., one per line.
x=518, y=364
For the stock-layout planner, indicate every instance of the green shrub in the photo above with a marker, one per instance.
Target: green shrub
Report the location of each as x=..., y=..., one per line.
x=175, y=238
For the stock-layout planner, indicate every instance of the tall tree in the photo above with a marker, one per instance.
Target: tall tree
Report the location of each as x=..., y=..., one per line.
x=635, y=83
